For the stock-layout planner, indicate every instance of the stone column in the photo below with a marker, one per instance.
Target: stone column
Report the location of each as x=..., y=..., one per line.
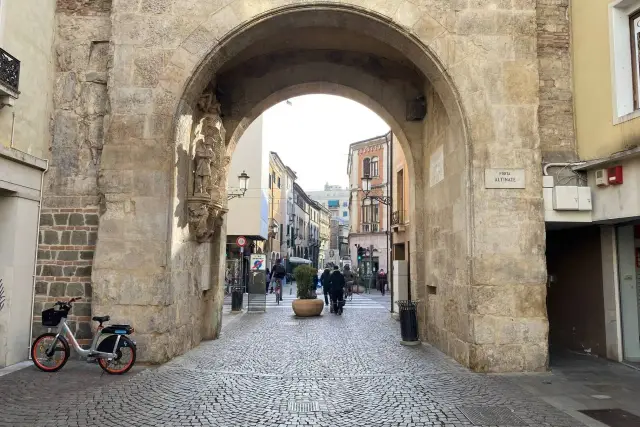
x=213, y=298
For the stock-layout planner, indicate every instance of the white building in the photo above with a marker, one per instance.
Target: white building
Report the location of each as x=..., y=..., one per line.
x=249, y=215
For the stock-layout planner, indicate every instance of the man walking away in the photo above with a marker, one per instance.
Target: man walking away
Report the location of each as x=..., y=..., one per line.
x=324, y=279
x=336, y=285
x=382, y=278
x=349, y=279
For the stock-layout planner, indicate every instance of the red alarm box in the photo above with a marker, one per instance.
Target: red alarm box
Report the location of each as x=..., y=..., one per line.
x=614, y=175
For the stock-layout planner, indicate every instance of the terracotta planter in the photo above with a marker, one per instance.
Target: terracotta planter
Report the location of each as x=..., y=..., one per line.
x=307, y=307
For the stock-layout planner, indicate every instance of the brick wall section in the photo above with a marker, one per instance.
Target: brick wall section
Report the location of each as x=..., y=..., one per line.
x=65, y=253
x=555, y=113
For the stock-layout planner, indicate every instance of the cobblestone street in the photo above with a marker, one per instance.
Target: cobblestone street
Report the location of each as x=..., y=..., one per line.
x=273, y=369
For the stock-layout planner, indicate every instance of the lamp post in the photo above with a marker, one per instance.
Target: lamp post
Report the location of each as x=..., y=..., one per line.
x=243, y=184
x=387, y=201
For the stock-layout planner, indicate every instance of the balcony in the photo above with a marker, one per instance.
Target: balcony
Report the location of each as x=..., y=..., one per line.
x=398, y=220
x=370, y=228
x=9, y=76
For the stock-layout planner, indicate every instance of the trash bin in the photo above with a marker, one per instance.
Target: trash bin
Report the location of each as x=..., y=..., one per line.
x=408, y=322
x=236, y=300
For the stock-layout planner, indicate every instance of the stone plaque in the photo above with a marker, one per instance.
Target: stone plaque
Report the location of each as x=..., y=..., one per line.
x=436, y=167
x=504, y=178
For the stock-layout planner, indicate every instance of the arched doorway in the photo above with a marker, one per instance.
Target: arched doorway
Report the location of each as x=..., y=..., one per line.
x=478, y=266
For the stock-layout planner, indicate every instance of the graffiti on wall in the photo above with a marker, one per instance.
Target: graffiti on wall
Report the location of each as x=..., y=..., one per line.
x=2, y=298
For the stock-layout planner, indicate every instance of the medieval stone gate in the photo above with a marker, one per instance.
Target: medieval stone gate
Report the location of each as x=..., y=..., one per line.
x=153, y=95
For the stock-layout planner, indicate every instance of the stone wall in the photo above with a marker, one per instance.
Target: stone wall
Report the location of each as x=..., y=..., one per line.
x=65, y=254
x=555, y=113
x=70, y=213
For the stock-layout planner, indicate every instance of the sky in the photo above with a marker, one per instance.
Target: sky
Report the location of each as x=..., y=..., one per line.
x=312, y=136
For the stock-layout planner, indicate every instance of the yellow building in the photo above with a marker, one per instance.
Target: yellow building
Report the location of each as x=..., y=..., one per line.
x=592, y=250
x=277, y=208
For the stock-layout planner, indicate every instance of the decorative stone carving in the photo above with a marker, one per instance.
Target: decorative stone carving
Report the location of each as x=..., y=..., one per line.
x=205, y=205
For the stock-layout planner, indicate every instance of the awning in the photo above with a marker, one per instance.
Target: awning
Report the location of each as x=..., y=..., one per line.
x=296, y=260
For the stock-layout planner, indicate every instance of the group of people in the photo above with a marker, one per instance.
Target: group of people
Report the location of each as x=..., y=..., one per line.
x=334, y=283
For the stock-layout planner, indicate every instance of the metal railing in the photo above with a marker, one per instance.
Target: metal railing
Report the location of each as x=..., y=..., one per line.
x=9, y=70
x=397, y=218
x=370, y=228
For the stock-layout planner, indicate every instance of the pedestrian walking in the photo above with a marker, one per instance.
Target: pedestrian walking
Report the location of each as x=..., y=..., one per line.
x=349, y=279
x=336, y=286
x=267, y=279
x=324, y=279
x=382, y=279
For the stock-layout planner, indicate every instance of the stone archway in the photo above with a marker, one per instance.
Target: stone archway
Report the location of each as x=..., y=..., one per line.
x=478, y=257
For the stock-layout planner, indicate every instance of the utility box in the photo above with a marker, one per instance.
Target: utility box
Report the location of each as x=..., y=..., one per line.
x=565, y=198
x=547, y=181
x=584, y=199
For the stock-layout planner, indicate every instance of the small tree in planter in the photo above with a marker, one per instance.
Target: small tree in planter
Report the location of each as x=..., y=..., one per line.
x=305, y=275
x=307, y=304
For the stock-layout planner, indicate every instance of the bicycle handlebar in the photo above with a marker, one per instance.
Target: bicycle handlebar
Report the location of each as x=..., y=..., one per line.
x=67, y=303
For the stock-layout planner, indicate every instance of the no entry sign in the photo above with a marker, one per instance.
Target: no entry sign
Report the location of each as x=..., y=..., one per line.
x=241, y=241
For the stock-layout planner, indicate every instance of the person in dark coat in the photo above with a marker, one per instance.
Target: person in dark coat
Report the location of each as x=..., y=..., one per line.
x=324, y=279
x=267, y=277
x=336, y=289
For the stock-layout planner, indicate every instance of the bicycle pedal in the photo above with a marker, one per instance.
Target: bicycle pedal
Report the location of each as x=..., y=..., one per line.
x=92, y=360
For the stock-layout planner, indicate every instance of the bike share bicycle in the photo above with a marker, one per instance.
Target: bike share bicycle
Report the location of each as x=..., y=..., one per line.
x=111, y=346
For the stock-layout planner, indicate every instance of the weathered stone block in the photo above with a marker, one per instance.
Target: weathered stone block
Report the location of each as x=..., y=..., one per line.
x=50, y=237
x=44, y=255
x=92, y=238
x=69, y=270
x=46, y=220
x=76, y=219
x=67, y=255
x=91, y=219
x=41, y=288
x=51, y=270
x=83, y=332
x=65, y=238
x=82, y=309
x=83, y=271
x=56, y=289
x=79, y=237
x=75, y=289
x=86, y=255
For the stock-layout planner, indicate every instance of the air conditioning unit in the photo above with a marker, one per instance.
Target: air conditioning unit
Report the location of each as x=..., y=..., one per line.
x=602, y=178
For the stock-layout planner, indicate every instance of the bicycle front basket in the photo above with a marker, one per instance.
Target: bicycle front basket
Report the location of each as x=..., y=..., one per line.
x=52, y=317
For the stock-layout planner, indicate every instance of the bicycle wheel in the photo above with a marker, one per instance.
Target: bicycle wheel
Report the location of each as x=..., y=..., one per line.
x=125, y=355
x=50, y=362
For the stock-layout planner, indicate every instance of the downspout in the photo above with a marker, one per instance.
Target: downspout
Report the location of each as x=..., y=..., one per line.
x=35, y=255
x=389, y=214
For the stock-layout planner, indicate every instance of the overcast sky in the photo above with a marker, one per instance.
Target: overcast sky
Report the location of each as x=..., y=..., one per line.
x=312, y=136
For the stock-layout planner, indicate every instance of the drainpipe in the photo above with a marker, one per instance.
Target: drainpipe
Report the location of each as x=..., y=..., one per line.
x=389, y=215
x=551, y=165
x=35, y=255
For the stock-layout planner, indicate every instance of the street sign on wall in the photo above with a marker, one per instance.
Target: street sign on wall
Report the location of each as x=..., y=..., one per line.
x=258, y=262
x=241, y=241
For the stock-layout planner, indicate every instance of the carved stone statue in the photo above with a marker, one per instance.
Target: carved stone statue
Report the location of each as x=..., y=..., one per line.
x=199, y=221
x=204, y=157
x=205, y=208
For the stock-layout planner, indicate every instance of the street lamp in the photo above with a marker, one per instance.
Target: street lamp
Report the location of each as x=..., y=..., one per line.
x=366, y=189
x=243, y=184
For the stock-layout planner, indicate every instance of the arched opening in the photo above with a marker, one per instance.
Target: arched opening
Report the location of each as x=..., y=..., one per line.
x=230, y=70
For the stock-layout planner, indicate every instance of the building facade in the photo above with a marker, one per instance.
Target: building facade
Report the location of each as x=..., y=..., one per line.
x=400, y=222
x=277, y=208
x=593, y=249
x=134, y=85
x=26, y=106
x=336, y=200
x=325, y=235
x=369, y=225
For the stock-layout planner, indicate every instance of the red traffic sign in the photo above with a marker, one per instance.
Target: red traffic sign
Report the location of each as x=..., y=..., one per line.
x=241, y=241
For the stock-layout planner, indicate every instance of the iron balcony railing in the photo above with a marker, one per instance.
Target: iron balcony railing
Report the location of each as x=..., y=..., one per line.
x=397, y=218
x=9, y=71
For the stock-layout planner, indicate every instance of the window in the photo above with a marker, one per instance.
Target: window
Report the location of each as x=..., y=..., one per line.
x=345, y=213
x=624, y=24
x=269, y=181
x=345, y=204
x=366, y=164
x=273, y=177
x=278, y=182
x=373, y=166
x=333, y=203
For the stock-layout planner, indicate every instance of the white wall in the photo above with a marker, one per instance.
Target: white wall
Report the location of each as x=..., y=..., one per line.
x=249, y=215
x=617, y=201
x=26, y=32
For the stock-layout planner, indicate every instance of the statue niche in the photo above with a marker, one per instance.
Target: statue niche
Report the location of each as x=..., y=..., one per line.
x=205, y=205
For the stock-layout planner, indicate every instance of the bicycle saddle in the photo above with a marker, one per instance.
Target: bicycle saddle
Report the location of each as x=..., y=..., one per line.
x=101, y=318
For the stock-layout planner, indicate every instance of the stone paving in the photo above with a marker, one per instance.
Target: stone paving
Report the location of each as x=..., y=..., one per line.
x=273, y=369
